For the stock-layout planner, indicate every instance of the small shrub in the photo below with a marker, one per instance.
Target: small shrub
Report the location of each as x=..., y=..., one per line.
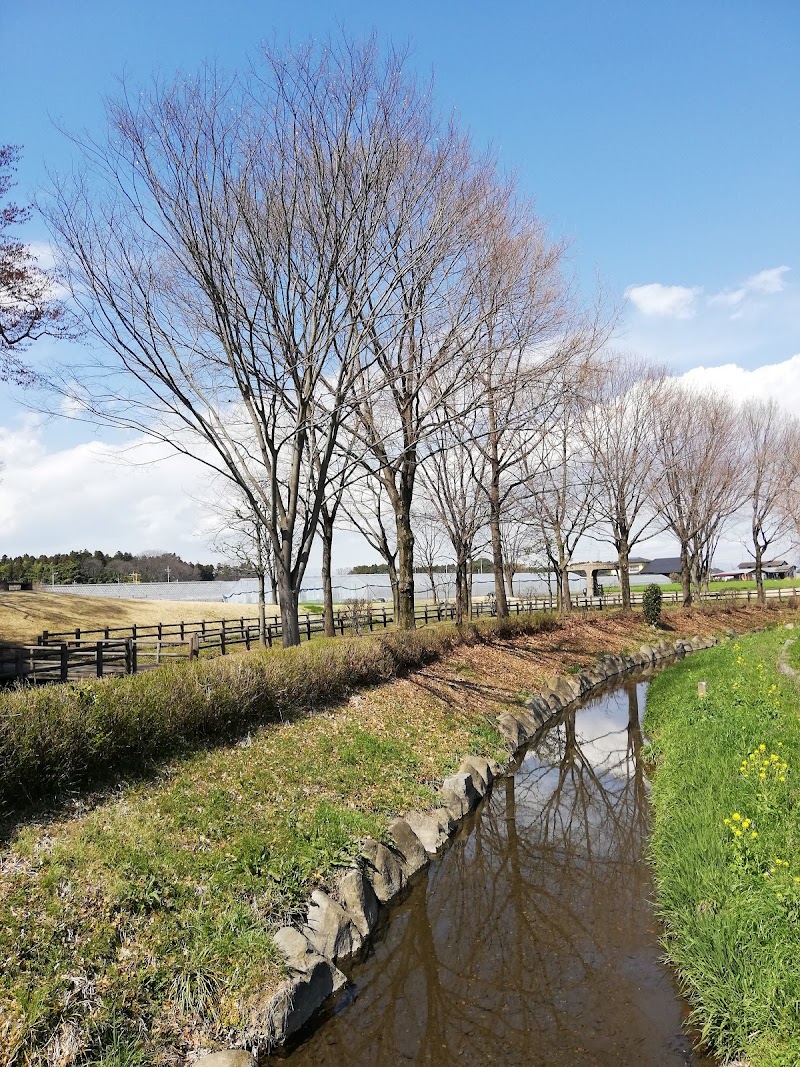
x=651, y=605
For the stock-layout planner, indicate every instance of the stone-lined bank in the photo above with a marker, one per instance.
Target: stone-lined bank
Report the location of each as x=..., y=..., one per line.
x=338, y=924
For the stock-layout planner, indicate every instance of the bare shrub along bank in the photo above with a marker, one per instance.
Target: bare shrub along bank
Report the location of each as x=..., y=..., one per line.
x=60, y=737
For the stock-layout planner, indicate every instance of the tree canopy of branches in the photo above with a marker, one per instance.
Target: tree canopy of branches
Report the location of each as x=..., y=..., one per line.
x=226, y=243
x=27, y=307
x=699, y=480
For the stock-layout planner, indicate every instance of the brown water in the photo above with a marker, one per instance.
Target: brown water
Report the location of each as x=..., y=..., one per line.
x=531, y=940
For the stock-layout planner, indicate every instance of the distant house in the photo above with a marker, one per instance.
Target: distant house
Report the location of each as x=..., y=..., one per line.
x=666, y=566
x=770, y=568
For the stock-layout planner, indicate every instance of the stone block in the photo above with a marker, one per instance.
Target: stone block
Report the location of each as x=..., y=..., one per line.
x=462, y=786
x=329, y=929
x=383, y=869
x=411, y=854
x=293, y=1003
x=231, y=1058
x=431, y=827
x=358, y=899
x=294, y=946
x=510, y=729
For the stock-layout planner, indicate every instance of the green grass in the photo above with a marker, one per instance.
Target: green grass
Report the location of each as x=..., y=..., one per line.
x=725, y=844
x=731, y=587
x=138, y=923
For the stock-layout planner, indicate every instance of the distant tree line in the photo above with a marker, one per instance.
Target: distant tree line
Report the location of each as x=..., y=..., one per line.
x=83, y=567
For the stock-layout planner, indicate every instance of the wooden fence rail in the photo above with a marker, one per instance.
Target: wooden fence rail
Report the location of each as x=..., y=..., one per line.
x=77, y=654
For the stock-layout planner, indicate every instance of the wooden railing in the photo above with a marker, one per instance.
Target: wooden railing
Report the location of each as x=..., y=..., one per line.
x=76, y=654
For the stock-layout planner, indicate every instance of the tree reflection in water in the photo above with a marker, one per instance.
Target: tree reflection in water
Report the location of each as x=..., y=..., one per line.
x=531, y=941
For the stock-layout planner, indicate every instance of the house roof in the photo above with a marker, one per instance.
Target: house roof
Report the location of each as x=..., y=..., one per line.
x=766, y=564
x=666, y=565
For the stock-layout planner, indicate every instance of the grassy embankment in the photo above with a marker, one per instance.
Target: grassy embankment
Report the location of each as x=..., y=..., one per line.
x=134, y=924
x=726, y=843
x=23, y=616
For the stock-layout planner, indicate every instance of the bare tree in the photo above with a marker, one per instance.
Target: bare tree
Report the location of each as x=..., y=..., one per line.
x=430, y=538
x=526, y=335
x=515, y=538
x=771, y=437
x=28, y=309
x=620, y=433
x=452, y=478
x=240, y=535
x=368, y=513
x=421, y=344
x=222, y=244
x=698, y=482
x=561, y=478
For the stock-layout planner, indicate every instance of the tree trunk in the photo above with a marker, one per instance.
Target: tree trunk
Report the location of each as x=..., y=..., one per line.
x=405, y=618
x=326, y=529
x=262, y=609
x=462, y=592
x=624, y=573
x=432, y=580
x=510, y=572
x=761, y=593
x=290, y=624
x=565, y=596
x=686, y=576
x=501, y=602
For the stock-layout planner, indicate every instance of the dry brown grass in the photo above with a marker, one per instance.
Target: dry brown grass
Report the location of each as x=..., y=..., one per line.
x=23, y=616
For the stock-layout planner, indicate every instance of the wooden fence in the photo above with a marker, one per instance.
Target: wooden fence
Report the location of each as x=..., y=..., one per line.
x=76, y=654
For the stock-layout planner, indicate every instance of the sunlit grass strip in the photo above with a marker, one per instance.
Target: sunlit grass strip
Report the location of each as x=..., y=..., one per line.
x=725, y=843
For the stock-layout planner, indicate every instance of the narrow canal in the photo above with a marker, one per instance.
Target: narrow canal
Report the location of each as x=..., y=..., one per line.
x=532, y=940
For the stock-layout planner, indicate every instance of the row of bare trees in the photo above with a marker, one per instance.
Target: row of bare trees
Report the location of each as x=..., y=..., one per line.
x=305, y=278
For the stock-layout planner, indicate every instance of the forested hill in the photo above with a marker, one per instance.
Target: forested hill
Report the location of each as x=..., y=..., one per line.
x=84, y=567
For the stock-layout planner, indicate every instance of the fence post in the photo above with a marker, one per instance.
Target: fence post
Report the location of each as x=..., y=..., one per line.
x=129, y=655
x=160, y=631
x=308, y=626
x=222, y=641
x=77, y=633
x=45, y=636
x=384, y=619
x=99, y=659
x=107, y=634
x=133, y=633
x=64, y=661
x=269, y=634
x=183, y=632
x=426, y=614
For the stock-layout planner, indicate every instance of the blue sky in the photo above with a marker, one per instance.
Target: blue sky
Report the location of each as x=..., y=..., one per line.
x=662, y=139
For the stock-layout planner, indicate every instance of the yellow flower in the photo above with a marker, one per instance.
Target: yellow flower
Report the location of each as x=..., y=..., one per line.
x=762, y=775
x=737, y=817
x=727, y=822
x=754, y=833
x=762, y=748
x=746, y=824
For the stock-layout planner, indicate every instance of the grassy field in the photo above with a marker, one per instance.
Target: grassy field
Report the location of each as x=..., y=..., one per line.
x=714, y=587
x=23, y=616
x=725, y=846
x=135, y=923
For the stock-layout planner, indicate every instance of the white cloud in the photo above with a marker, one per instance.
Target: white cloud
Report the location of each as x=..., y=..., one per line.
x=671, y=301
x=778, y=381
x=763, y=283
x=90, y=496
